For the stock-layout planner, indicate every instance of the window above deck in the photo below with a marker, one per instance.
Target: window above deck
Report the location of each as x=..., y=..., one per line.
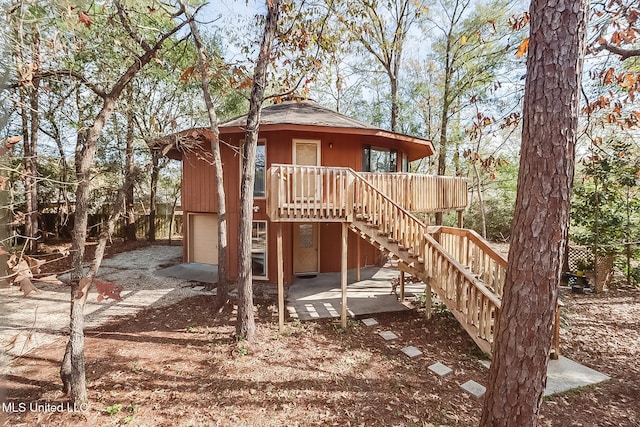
x=378, y=159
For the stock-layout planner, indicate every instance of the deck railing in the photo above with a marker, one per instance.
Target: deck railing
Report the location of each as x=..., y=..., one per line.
x=421, y=193
x=474, y=305
x=472, y=251
x=390, y=219
x=308, y=193
x=326, y=193
x=471, y=302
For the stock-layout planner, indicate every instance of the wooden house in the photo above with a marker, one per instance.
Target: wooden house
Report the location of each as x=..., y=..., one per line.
x=303, y=134
x=333, y=193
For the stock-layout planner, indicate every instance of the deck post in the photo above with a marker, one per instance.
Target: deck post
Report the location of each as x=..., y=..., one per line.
x=280, y=262
x=358, y=257
x=427, y=300
x=460, y=219
x=401, y=285
x=343, y=274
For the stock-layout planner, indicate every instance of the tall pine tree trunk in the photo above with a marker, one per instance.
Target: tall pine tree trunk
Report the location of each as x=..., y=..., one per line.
x=518, y=373
x=245, y=323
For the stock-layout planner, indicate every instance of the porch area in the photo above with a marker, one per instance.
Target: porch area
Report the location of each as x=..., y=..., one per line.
x=320, y=296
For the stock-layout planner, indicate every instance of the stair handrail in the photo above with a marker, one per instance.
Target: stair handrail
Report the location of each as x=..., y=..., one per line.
x=493, y=276
x=411, y=236
x=473, y=304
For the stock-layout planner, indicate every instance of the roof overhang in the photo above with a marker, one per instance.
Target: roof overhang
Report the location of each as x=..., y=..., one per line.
x=416, y=148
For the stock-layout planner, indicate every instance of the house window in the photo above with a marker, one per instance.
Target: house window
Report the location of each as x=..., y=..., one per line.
x=259, y=249
x=405, y=163
x=261, y=165
x=376, y=159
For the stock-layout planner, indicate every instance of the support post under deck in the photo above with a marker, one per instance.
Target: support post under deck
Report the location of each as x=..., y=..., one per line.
x=358, y=259
x=343, y=274
x=280, y=278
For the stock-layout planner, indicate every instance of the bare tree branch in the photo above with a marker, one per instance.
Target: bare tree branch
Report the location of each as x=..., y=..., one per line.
x=622, y=53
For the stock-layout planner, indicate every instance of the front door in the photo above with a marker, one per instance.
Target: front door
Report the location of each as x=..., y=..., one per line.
x=305, y=235
x=305, y=248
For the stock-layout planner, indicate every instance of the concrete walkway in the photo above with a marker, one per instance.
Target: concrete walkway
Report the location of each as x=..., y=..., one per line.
x=43, y=316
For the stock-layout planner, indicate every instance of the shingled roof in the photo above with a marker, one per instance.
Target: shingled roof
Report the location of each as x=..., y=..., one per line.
x=300, y=115
x=301, y=112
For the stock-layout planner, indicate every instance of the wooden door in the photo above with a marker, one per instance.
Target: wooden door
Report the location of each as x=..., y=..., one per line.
x=203, y=238
x=307, y=183
x=305, y=248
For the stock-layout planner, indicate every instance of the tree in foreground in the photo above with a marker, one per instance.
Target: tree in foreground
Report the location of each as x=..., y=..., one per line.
x=222, y=295
x=245, y=324
x=72, y=371
x=517, y=376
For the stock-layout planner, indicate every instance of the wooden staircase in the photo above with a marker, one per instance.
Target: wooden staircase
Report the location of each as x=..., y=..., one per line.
x=456, y=264
x=381, y=221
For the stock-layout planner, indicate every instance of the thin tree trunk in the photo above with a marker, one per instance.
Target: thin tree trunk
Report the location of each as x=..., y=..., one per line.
x=245, y=323
x=222, y=294
x=517, y=377
x=72, y=371
x=130, y=231
x=30, y=121
x=627, y=236
x=31, y=165
x=107, y=230
x=483, y=215
x=393, y=80
x=153, y=202
x=5, y=213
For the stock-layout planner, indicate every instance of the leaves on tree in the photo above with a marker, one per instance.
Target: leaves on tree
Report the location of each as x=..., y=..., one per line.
x=523, y=48
x=83, y=287
x=26, y=286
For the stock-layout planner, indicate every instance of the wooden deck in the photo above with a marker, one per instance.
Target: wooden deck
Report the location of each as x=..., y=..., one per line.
x=456, y=264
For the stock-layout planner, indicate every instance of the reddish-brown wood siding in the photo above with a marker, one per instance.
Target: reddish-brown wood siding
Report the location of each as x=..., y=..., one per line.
x=330, y=249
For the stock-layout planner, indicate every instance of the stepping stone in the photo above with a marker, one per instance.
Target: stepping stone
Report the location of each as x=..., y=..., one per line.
x=198, y=288
x=440, y=369
x=473, y=388
x=411, y=351
x=388, y=335
x=370, y=321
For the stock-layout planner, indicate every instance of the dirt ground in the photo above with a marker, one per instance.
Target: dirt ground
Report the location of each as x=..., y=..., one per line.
x=179, y=365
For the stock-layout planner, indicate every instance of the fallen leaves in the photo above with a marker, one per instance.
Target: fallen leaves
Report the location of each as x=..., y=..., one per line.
x=84, y=18
x=23, y=271
x=108, y=290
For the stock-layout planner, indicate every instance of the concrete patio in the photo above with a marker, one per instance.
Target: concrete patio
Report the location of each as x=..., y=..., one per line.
x=320, y=296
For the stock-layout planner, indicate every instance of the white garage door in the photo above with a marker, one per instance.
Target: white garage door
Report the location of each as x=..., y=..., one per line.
x=203, y=238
